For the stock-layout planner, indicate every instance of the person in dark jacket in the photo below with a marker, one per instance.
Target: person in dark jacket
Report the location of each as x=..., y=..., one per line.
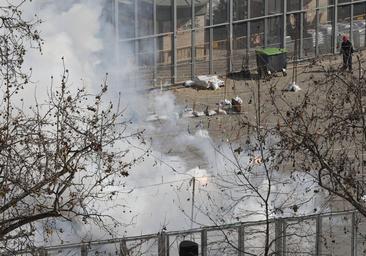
x=346, y=51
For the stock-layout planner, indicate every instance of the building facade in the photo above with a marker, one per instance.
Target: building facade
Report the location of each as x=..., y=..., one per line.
x=175, y=40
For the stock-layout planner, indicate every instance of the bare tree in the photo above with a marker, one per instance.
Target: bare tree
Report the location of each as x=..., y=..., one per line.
x=323, y=132
x=58, y=157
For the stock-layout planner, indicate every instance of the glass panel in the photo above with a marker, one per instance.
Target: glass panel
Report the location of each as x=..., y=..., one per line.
x=220, y=46
x=164, y=18
x=240, y=9
x=359, y=25
x=220, y=11
x=202, y=13
x=256, y=39
x=325, y=35
x=309, y=34
x=145, y=58
x=126, y=19
x=184, y=54
x=240, y=46
x=293, y=5
x=343, y=1
x=202, y=48
x=145, y=16
x=257, y=8
x=275, y=6
x=324, y=3
x=184, y=15
x=304, y=244
x=222, y=242
x=164, y=61
x=274, y=37
x=336, y=235
x=343, y=23
x=293, y=35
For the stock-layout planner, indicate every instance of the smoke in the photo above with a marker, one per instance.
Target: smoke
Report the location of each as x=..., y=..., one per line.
x=158, y=192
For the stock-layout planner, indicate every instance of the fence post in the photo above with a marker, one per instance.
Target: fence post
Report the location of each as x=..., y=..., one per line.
x=123, y=248
x=162, y=244
x=84, y=250
x=279, y=237
x=204, y=242
x=241, y=249
x=354, y=235
x=318, y=246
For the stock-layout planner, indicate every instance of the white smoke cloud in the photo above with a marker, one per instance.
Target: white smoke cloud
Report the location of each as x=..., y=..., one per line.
x=158, y=192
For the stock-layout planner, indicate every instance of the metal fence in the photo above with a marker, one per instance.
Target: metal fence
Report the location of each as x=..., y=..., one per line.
x=341, y=233
x=174, y=40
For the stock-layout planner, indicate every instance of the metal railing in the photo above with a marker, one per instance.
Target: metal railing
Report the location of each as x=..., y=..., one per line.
x=340, y=233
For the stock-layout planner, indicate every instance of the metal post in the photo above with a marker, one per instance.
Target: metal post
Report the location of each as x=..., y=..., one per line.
x=193, y=40
x=136, y=42
x=279, y=237
x=241, y=249
x=123, y=248
x=284, y=23
x=116, y=32
x=211, y=38
x=230, y=46
x=162, y=244
x=248, y=37
x=155, y=44
x=318, y=245
x=351, y=25
x=84, y=250
x=354, y=235
x=317, y=28
x=302, y=30
x=43, y=252
x=193, y=192
x=266, y=23
x=174, y=42
x=335, y=26
x=204, y=242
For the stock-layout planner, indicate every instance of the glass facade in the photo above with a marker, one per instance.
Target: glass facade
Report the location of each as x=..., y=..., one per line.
x=175, y=40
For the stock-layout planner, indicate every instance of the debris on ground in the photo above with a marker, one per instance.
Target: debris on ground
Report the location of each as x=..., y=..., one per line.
x=221, y=112
x=205, y=82
x=293, y=87
x=189, y=83
x=198, y=113
x=155, y=117
x=236, y=103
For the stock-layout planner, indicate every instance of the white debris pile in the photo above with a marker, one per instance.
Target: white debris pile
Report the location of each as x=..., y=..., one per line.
x=205, y=82
x=293, y=87
x=236, y=103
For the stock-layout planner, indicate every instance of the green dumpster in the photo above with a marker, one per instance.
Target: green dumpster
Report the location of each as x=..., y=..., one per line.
x=271, y=60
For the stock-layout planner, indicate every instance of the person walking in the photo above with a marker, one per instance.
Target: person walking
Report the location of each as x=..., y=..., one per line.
x=346, y=51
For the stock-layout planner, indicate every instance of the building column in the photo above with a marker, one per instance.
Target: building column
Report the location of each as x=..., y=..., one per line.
x=174, y=42
x=193, y=40
x=284, y=22
x=335, y=26
x=230, y=46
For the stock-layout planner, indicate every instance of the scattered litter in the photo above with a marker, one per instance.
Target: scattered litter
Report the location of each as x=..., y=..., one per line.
x=221, y=112
x=189, y=83
x=187, y=114
x=293, y=87
x=205, y=82
x=198, y=113
x=224, y=103
x=236, y=103
x=155, y=117
x=211, y=113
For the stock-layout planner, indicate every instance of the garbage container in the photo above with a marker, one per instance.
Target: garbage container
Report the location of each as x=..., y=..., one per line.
x=271, y=60
x=188, y=248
